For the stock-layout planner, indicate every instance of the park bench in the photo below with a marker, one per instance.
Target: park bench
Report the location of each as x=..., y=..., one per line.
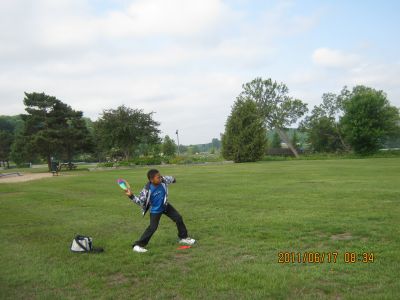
x=68, y=166
x=57, y=167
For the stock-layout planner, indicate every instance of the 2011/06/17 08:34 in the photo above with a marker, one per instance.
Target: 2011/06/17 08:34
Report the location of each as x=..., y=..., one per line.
x=325, y=257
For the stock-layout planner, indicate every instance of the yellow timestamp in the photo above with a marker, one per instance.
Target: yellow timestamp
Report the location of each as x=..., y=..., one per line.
x=319, y=257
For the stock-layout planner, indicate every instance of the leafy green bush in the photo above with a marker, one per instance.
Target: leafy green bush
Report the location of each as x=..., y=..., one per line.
x=192, y=159
x=158, y=160
x=124, y=163
x=179, y=160
x=108, y=164
x=324, y=156
x=148, y=160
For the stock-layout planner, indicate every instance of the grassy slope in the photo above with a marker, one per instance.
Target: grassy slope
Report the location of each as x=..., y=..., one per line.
x=242, y=215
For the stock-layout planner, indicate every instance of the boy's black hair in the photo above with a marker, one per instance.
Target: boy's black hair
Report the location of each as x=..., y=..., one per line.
x=151, y=173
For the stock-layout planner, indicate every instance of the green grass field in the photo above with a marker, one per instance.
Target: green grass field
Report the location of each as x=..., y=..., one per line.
x=243, y=215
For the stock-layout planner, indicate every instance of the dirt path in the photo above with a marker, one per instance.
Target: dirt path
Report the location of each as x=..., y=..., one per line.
x=24, y=177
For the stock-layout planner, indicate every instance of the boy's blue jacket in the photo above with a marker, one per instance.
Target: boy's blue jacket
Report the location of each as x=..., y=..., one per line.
x=144, y=197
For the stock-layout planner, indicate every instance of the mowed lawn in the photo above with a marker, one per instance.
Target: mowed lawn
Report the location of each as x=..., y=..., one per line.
x=242, y=215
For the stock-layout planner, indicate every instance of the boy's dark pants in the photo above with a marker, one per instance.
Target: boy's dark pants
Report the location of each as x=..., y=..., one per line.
x=173, y=214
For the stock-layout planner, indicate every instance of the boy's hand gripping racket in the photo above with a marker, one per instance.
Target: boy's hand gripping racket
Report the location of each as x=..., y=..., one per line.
x=123, y=184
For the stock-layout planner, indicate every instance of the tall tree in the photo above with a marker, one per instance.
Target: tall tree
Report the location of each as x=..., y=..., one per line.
x=169, y=147
x=51, y=128
x=43, y=124
x=278, y=109
x=125, y=128
x=22, y=150
x=9, y=125
x=368, y=119
x=244, y=138
x=323, y=127
x=148, y=149
x=6, y=140
x=76, y=135
x=322, y=134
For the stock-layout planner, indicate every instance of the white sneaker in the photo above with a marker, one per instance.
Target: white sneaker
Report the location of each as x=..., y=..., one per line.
x=187, y=241
x=137, y=248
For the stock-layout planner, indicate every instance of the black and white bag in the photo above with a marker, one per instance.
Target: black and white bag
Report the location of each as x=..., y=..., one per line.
x=82, y=244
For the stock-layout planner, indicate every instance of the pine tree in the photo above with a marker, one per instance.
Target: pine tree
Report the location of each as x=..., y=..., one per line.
x=244, y=139
x=51, y=128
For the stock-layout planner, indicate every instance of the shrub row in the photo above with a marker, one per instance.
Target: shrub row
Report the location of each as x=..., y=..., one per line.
x=158, y=160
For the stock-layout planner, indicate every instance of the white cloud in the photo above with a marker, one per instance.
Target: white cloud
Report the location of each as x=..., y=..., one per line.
x=377, y=73
x=174, y=17
x=74, y=24
x=334, y=69
x=355, y=69
x=185, y=60
x=326, y=57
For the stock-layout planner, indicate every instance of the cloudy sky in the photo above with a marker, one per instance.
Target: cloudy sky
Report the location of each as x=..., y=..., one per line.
x=187, y=60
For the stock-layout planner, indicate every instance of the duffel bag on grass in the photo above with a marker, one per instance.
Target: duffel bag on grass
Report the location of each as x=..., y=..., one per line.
x=83, y=244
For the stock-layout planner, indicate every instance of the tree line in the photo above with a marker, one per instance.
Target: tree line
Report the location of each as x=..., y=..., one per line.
x=360, y=120
x=51, y=130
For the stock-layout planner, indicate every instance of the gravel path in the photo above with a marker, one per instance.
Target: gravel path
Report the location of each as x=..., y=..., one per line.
x=24, y=177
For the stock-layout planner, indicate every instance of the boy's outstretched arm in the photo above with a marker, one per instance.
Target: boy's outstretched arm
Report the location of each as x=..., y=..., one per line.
x=139, y=200
x=168, y=179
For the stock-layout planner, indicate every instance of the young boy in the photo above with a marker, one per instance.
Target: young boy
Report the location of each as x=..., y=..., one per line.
x=154, y=196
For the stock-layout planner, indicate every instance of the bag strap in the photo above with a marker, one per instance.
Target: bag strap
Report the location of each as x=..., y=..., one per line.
x=79, y=243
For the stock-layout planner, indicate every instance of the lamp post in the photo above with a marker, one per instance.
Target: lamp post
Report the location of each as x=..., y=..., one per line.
x=177, y=136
